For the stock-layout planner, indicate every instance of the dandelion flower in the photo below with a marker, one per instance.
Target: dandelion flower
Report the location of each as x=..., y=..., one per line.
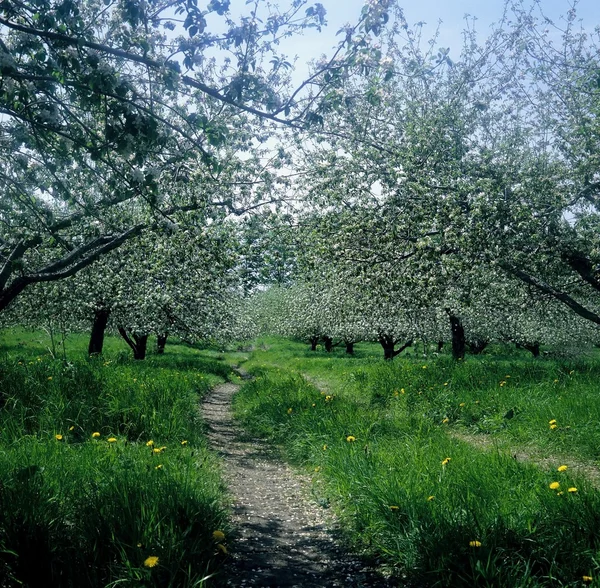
x=393, y=507
x=158, y=467
x=553, y=427
x=430, y=498
x=424, y=367
x=149, y=443
x=572, y=490
x=49, y=377
x=157, y=450
x=350, y=438
x=58, y=437
x=446, y=420
x=402, y=391
x=502, y=383
x=318, y=469
x=552, y=422
x=445, y=383
x=562, y=468
x=72, y=427
x=218, y=536
x=313, y=404
x=474, y=543
x=554, y=486
x=461, y=404
x=324, y=447
x=289, y=411
x=446, y=461
x=151, y=561
x=328, y=398
x=222, y=548
x=112, y=439
x=184, y=442
x=95, y=435
x=587, y=579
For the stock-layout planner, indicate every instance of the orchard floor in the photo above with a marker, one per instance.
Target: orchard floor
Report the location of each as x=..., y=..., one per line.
x=284, y=538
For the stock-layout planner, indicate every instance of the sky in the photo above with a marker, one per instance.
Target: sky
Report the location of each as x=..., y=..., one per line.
x=451, y=13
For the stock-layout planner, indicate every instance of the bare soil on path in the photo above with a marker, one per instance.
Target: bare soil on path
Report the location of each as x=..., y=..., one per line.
x=283, y=537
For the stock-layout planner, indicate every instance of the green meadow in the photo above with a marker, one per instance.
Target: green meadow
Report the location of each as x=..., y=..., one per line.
x=482, y=472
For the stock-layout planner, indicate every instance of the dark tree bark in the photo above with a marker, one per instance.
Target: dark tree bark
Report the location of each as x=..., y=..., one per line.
x=328, y=341
x=440, y=346
x=314, y=341
x=138, y=344
x=477, y=346
x=458, y=336
x=388, y=343
x=98, y=330
x=350, y=348
x=161, y=341
x=533, y=348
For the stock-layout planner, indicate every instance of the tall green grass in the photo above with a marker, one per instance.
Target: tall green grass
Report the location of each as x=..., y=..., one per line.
x=104, y=468
x=378, y=446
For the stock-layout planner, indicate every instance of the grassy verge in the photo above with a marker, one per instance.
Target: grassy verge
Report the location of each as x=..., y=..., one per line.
x=440, y=511
x=106, y=479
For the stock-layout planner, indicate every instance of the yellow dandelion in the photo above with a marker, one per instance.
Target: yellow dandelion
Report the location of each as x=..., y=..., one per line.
x=318, y=469
x=572, y=490
x=95, y=435
x=72, y=427
x=562, y=468
x=328, y=398
x=49, y=377
x=446, y=420
x=560, y=493
x=571, y=372
x=552, y=422
x=446, y=461
x=587, y=579
x=502, y=383
x=149, y=443
x=424, y=367
x=289, y=411
x=158, y=467
x=157, y=450
x=430, y=498
x=350, y=438
x=112, y=439
x=556, y=381
x=313, y=404
x=394, y=507
x=462, y=404
x=402, y=391
x=218, y=536
x=554, y=486
x=222, y=548
x=58, y=437
x=553, y=427
x=184, y=442
x=477, y=402
x=474, y=543
x=445, y=383
x=324, y=447
x=151, y=561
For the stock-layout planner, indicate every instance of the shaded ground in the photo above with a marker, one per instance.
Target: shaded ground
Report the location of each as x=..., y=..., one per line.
x=284, y=539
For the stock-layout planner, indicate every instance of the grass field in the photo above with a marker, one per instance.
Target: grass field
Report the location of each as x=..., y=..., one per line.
x=453, y=473
x=105, y=477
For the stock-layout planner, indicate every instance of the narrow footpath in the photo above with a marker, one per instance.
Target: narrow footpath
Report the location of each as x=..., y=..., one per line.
x=284, y=539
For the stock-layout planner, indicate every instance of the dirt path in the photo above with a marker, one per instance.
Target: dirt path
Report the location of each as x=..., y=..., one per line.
x=284, y=539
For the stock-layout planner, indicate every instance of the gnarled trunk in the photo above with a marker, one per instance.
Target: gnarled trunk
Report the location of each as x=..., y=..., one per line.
x=458, y=336
x=138, y=344
x=533, y=348
x=314, y=341
x=161, y=341
x=388, y=343
x=477, y=346
x=350, y=348
x=328, y=343
x=98, y=329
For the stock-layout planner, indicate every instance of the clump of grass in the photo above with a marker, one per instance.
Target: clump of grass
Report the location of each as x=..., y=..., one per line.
x=105, y=477
x=440, y=510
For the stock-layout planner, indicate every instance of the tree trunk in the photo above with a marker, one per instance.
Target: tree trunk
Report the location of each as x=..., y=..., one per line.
x=477, y=346
x=328, y=343
x=440, y=346
x=350, y=348
x=458, y=336
x=138, y=344
x=388, y=345
x=314, y=341
x=161, y=341
x=98, y=330
x=533, y=348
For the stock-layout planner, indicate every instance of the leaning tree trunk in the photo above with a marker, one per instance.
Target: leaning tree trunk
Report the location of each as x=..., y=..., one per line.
x=533, y=348
x=314, y=341
x=477, y=346
x=161, y=341
x=350, y=348
x=98, y=330
x=458, y=336
x=138, y=344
